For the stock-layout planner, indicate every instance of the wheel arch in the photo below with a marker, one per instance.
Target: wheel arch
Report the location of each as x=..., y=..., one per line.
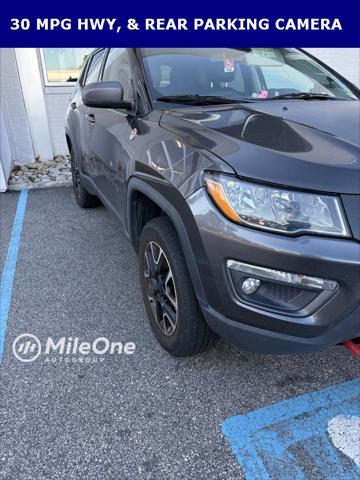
x=176, y=211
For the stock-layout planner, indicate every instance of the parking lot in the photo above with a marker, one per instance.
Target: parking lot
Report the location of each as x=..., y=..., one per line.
x=146, y=415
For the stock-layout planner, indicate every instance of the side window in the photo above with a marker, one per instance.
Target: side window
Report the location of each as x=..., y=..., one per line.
x=93, y=76
x=117, y=69
x=94, y=67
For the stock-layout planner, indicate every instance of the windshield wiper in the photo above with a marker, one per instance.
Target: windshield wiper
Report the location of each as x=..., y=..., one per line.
x=303, y=96
x=199, y=99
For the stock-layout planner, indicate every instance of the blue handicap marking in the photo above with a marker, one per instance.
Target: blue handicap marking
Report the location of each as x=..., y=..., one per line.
x=290, y=440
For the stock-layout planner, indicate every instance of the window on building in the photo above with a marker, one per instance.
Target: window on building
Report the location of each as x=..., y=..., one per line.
x=117, y=69
x=63, y=65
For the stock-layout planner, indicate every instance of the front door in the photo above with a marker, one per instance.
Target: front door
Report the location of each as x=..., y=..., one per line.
x=110, y=129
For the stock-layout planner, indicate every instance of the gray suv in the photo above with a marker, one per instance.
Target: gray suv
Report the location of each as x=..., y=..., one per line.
x=236, y=176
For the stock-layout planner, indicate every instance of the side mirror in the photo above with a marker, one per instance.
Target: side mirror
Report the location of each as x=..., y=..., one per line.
x=104, y=95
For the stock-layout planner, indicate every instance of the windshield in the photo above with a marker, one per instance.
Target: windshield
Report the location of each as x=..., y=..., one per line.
x=238, y=74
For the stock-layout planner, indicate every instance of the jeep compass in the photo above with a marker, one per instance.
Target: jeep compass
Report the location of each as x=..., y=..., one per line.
x=235, y=173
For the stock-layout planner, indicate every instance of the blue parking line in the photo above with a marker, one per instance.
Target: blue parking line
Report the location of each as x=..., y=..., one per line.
x=272, y=442
x=7, y=278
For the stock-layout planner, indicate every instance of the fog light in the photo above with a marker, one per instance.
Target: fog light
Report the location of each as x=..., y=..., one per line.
x=294, y=279
x=250, y=285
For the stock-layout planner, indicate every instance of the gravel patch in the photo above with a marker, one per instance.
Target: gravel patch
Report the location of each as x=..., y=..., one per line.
x=41, y=174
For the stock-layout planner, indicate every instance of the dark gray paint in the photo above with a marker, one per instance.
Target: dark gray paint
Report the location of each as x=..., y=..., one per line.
x=296, y=147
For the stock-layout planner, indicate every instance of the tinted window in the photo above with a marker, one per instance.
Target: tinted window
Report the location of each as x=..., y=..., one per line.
x=117, y=69
x=94, y=67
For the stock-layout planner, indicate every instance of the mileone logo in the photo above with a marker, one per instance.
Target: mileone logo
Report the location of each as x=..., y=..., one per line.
x=27, y=348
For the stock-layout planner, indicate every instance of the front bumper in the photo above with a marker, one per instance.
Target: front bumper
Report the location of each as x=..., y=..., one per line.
x=325, y=321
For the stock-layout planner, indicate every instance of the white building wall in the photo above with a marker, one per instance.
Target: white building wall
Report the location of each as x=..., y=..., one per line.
x=57, y=99
x=17, y=117
x=346, y=61
x=12, y=103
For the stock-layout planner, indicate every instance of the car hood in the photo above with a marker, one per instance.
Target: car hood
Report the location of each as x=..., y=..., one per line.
x=304, y=144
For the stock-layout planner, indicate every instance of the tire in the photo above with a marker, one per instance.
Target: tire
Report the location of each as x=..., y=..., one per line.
x=168, y=293
x=83, y=197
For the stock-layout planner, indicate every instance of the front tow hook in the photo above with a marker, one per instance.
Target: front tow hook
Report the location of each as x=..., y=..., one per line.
x=353, y=346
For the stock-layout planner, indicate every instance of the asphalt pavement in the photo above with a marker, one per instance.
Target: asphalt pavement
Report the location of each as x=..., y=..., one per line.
x=144, y=416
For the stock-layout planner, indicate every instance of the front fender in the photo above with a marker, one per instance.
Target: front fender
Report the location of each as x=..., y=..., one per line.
x=170, y=200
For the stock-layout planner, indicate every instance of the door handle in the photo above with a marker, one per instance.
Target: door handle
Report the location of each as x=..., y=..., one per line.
x=73, y=105
x=90, y=117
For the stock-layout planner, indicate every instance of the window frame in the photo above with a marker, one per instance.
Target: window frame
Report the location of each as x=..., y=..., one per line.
x=104, y=63
x=86, y=69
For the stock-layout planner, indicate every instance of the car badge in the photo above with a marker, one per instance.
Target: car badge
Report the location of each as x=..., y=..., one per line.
x=133, y=133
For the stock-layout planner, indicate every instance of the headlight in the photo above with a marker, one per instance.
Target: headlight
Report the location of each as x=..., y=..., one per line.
x=276, y=209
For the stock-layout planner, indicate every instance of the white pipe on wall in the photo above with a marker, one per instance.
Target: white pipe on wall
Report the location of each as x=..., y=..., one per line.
x=33, y=92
